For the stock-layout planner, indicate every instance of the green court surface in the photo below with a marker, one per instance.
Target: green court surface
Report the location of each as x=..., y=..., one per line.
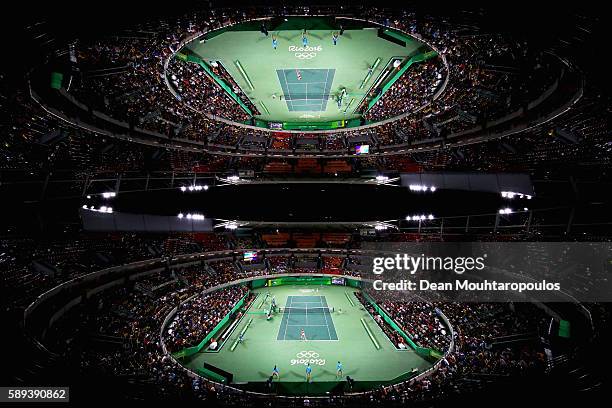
x=308, y=313
x=306, y=90
x=251, y=362
x=275, y=88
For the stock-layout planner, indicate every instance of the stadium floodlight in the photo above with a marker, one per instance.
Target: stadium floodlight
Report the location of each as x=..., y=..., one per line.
x=233, y=178
x=84, y=207
x=103, y=208
x=512, y=194
x=525, y=209
x=88, y=197
x=180, y=215
x=419, y=187
x=380, y=227
x=505, y=211
x=232, y=225
x=92, y=207
x=109, y=194
x=188, y=216
x=382, y=178
x=194, y=187
x=109, y=210
x=421, y=217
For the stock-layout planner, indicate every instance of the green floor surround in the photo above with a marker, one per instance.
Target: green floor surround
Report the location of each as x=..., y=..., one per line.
x=319, y=71
x=251, y=362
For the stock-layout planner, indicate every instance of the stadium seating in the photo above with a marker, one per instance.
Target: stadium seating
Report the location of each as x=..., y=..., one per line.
x=134, y=115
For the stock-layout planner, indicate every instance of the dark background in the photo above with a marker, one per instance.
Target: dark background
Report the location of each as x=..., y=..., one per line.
x=308, y=202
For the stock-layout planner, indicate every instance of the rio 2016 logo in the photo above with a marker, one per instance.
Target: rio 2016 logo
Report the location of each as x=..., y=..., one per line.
x=304, y=357
x=306, y=52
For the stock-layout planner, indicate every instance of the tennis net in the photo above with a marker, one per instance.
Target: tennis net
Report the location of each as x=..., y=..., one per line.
x=304, y=310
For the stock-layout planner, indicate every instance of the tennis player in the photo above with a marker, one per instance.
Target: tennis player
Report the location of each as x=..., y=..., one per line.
x=339, y=369
x=303, y=335
x=308, y=372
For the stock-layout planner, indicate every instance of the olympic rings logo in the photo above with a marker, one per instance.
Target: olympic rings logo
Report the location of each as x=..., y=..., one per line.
x=307, y=354
x=308, y=357
x=305, y=55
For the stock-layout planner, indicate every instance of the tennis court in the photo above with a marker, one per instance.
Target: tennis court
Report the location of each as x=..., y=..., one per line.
x=252, y=360
x=310, y=313
x=306, y=90
x=263, y=73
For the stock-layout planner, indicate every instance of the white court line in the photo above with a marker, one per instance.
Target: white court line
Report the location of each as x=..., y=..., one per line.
x=306, y=302
x=287, y=86
x=326, y=323
x=326, y=79
x=320, y=302
x=290, y=303
x=301, y=83
x=306, y=99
